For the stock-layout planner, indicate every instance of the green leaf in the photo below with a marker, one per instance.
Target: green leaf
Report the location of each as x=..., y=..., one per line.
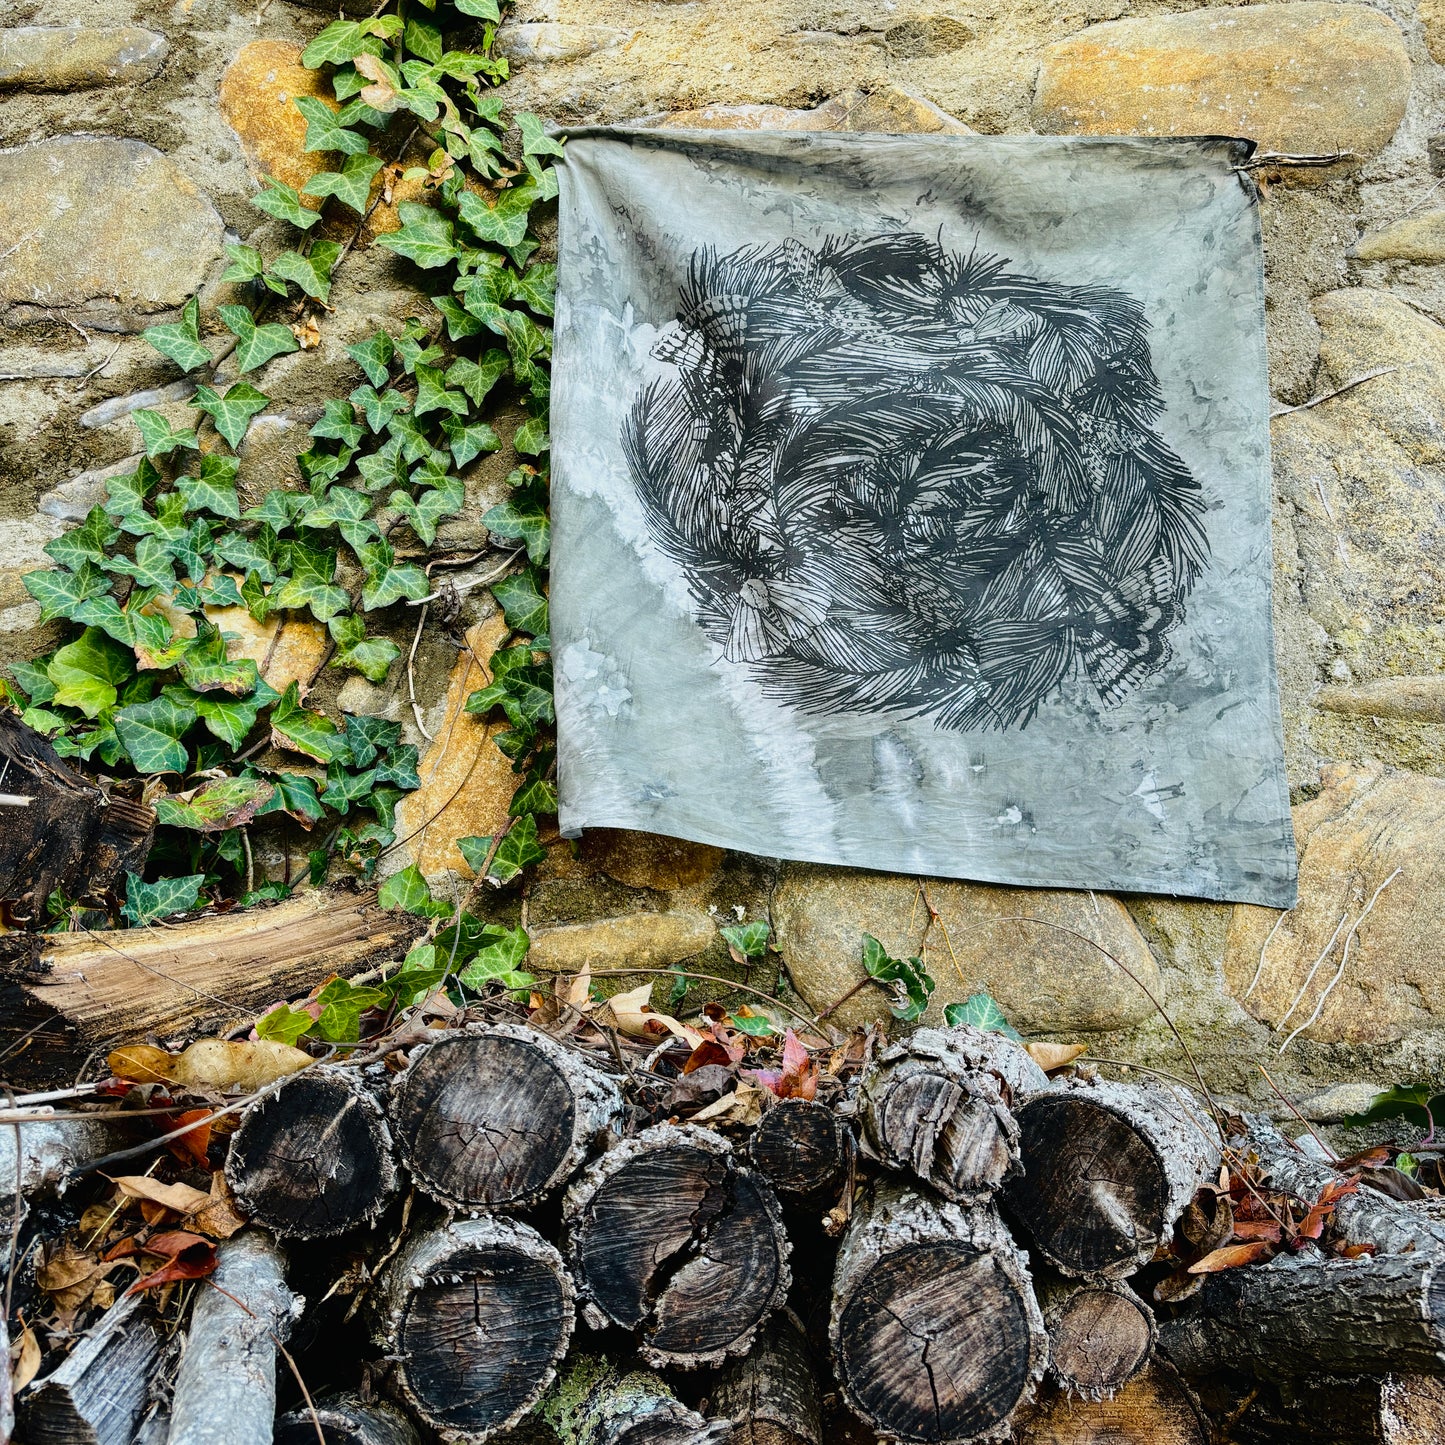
x=325, y=131
x=222, y=803
x=517, y=849
x=258, y=344
x=60, y=593
x=87, y=672
x=531, y=439
x=425, y=236
x=475, y=851
x=247, y=264
x=482, y=9
x=351, y=185
x=747, y=940
x=284, y=1025
x=423, y=39
x=369, y=736
x=388, y=580
x=338, y=423
x=310, y=585
x=537, y=286
x=181, y=340
x=232, y=413
x=371, y=656
x=147, y=902
x=158, y=436
x=373, y=357
x=460, y=322
x=754, y=1025
x=153, y=565
x=1417, y=1103
x=282, y=201
x=342, y=40
x=408, y=890
x=524, y=517
x=905, y=979
x=522, y=603
x=378, y=408
x=246, y=554
x=537, y=795
x=399, y=767
x=497, y=961
x=304, y=731
x=343, y=787
x=468, y=439
x=230, y=719
x=88, y=542
x=982, y=1012
x=342, y=1005
x=295, y=794
x=478, y=378
x=151, y=733
x=535, y=140
x=206, y=666
x=421, y=971
x=213, y=489
x=34, y=679
x=432, y=395
x=430, y=506
x=501, y=224
x=311, y=272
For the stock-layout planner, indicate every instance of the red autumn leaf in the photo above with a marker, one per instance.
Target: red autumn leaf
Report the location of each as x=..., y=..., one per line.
x=187, y=1256
x=1354, y=1251
x=1373, y=1158
x=192, y=1146
x=1245, y=1229
x=709, y=1051
x=798, y=1078
x=1232, y=1256
x=1312, y=1226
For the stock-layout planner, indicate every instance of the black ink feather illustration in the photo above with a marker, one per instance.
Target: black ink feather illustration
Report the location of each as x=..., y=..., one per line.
x=905, y=481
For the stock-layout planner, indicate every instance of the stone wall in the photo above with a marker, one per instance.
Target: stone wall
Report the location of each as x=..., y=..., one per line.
x=134, y=132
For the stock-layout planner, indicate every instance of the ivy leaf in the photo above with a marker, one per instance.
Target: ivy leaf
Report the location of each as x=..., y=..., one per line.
x=478, y=378
x=535, y=140
x=232, y=413
x=423, y=39
x=283, y=1024
x=501, y=224
x=342, y=1005
x=151, y=733
x=338, y=423
x=341, y=41
x=408, y=891
x=348, y=511
x=147, y=902
x=370, y=736
x=230, y=719
x=351, y=185
x=537, y=286
x=522, y=603
x=746, y=940
x=460, y=322
x=524, y=517
x=303, y=731
x=432, y=395
x=383, y=467
x=213, y=489
x=482, y=9
x=311, y=272
x=425, y=236
x=87, y=672
x=474, y=850
x=388, y=580
x=423, y=514
x=498, y=959
x=88, y=542
x=531, y=439
x=373, y=357
x=378, y=408
x=371, y=656
x=206, y=666
x=468, y=439
x=980, y=1010
x=181, y=340
x=905, y=979
x=295, y=794
x=282, y=201
x=517, y=849
x=536, y=796
x=154, y=565
x=247, y=264
x=158, y=436
x=60, y=593
x=222, y=803
x=325, y=131
x=344, y=787
x=310, y=585
x=258, y=344
x=246, y=554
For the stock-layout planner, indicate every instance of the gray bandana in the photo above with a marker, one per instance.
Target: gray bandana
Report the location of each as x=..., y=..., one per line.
x=911, y=506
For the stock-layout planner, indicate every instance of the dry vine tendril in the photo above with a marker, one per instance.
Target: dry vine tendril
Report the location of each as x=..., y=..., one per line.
x=146, y=685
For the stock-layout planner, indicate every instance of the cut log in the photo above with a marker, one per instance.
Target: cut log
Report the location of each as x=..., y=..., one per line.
x=772, y=1396
x=101, y=1391
x=477, y=1314
x=1154, y=1408
x=88, y=992
x=497, y=1118
x=805, y=1150
x=1307, y=1313
x=70, y=834
x=314, y=1158
x=1325, y=1410
x=1101, y=1334
x=935, y=1331
x=226, y=1387
x=347, y=1419
x=670, y=1237
x=592, y=1404
x=1364, y=1217
x=937, y=1105
x=1108, y=1168
x=48, y=1150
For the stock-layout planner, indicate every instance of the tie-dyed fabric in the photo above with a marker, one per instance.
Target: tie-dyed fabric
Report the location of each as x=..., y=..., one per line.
x=911, y=506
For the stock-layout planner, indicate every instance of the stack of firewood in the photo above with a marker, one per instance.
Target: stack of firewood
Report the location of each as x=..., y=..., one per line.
x=951, y=1248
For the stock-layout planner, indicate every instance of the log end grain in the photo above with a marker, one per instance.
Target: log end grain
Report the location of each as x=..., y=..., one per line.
x=1100, y=1337
x=805, y=1150
x=1152, y=1409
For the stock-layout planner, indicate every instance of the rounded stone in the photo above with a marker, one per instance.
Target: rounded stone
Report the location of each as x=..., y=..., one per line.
x=543, y=40
x=648, y=860
x=107, y=231
x=1415, y=238
x=1306, y=78
x=78, y=57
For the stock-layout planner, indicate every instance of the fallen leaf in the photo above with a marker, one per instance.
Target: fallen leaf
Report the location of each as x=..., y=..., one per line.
x=1356, y=1251
x=1231, y=1257
x=192, y=1147
x=69, y=1276
x=187, y=1256
x=1177, y=1286
x=217, y=1216
x=797, y=1079
x=634, y=1016
x=27, y=1360
x=180, y=1197
x=142, y=1064
x=1312, y=1226
x=307, y=334
x=221, y=1065
x=1245, y=1229
x=743, y=1106
x=104, y=1295
x=1054, y=1056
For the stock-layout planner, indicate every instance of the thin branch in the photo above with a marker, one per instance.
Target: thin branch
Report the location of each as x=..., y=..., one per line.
x=1350, y=385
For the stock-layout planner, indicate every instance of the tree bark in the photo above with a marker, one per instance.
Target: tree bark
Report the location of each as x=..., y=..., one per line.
x=477, y=1313
x=88, y=992
x=805, y=1150
x=937, y=1105
x=99, y=1394
x=772, y=1396
x=347, y=1419
x=1330, y=1410
x=36, y=1157
x=935, y=1331
x=592, y=1404
x=315, y=1158
x=1364, y=1217
x=1300, y=1314
x=1108, y=1168
x=1154, y=1408
x=1101, y=1334
x=73, y=835
x=670, y=1237
x=466, y=1114
x=226, y=1388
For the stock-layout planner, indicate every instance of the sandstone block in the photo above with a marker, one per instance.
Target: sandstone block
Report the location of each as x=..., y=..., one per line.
x=647, y=860
x=887, y=110
x=1040, y=953
x=1350, y=972
x=256, y=98
x=78, y=57
x=107, y=231
x=1432, y=18
x=640, y=940
x=543, y=40
x=1411, y=699
x=1415, y=238
x=1306, y=78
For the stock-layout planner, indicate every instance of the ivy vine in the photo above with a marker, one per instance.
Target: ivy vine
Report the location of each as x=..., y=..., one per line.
x=146, y=684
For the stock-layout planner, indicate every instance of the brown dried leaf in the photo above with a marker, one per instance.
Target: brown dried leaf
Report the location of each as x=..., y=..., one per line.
x=743, y=1106
x=633, y=1014
x=1177, y=1286
x=142, y=1064
x=1054, y=1056
x=69, y=1276
x=1232, y=1256
x=221, y=1065
x=27, y=1360
x=180, y=1197
x=217, y=1216
x=187, y=1256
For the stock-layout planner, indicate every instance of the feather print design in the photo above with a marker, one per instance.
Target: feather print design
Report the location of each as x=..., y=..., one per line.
x=907, y=482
